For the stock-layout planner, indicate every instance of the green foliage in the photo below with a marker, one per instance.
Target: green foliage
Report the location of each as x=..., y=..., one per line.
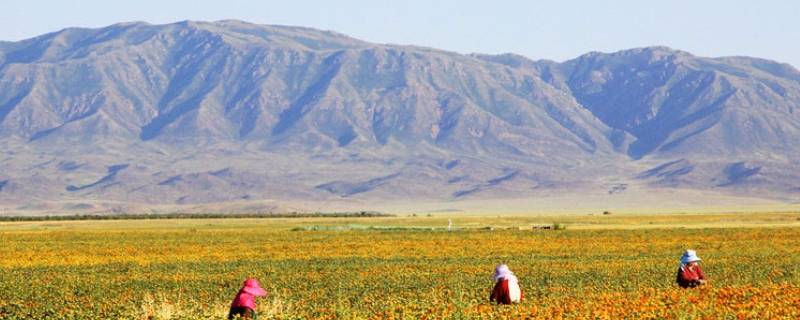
x=367, y=273
x=359, y=214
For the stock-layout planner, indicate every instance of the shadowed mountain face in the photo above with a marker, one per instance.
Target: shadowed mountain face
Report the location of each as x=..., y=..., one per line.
x=198, y=112
x=673, y=103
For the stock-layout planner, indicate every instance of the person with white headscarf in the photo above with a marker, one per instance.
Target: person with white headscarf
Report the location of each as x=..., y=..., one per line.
x=690, y=274
x=506, y=289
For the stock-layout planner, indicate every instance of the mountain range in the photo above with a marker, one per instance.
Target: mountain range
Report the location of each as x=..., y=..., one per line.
x=233, y=116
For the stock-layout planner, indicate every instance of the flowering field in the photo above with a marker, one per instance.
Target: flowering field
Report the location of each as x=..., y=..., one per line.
x=316, y=270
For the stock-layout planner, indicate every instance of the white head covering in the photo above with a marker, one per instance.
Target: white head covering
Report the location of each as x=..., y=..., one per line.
x=503, y=272
x=689, y=256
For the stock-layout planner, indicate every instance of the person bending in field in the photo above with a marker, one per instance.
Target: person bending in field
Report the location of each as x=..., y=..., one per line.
x=506, y=289
x=244, y=305
x=690, y=274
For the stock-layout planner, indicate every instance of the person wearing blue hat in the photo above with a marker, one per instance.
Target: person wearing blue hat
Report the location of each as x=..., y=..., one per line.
x=690, y=274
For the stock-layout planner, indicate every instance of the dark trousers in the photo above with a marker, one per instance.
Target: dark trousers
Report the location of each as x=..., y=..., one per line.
x=242, y=313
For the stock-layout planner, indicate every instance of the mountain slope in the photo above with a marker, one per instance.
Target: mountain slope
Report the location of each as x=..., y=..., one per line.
x=236, y=81
x=197, y=112
x=674, y=103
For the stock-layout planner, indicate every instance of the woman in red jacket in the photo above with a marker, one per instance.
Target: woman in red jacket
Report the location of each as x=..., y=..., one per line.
x=244, y=305
x=690, y=274
x=506, y=289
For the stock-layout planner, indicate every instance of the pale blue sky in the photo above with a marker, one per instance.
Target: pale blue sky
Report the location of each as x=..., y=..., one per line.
x=555, y=30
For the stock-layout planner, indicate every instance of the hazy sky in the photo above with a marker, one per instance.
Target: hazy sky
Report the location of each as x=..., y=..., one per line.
x=555, y=30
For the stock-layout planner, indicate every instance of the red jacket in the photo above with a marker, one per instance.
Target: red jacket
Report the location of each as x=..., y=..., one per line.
x=502, y=293
x=690, y=276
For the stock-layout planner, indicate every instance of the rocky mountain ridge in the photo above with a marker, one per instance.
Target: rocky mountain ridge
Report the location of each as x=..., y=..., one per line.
x=199, y=113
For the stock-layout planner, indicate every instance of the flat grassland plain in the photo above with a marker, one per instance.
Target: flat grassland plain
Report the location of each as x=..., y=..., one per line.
x=599, y=267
